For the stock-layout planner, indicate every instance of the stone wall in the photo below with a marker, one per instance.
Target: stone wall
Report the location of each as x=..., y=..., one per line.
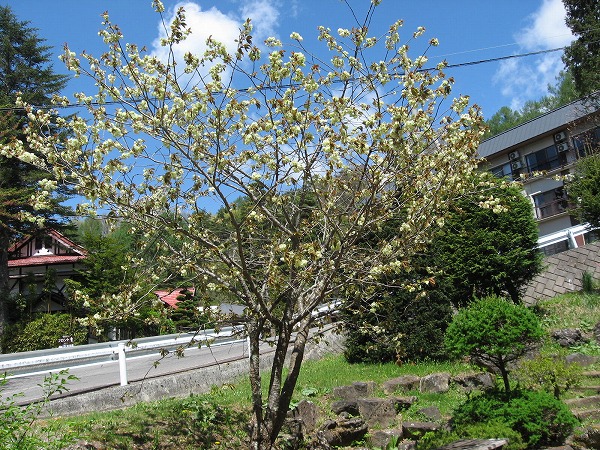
x=563, y=273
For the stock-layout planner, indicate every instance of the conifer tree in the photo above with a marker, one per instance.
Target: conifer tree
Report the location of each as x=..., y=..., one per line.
x=25, y=68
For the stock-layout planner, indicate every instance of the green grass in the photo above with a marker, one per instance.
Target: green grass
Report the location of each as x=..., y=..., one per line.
x=219, y=419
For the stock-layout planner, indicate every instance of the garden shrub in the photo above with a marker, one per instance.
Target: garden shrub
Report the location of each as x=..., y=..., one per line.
x=537, y=416
x=44, y=332
x=494, y=332
x=406, y=328
x=550, y=373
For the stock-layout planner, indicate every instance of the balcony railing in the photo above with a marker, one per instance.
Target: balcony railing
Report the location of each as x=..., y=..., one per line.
x=551, y=209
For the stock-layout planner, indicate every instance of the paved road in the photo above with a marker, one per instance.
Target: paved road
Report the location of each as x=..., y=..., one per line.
x=98, y=375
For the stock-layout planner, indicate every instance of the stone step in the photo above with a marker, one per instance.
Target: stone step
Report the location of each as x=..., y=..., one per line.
x=595, y=389
x=584, y=402
x=592, y=373
x=587, y=414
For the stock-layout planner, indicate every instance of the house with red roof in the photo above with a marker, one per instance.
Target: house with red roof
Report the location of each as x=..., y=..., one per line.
x=32, y=259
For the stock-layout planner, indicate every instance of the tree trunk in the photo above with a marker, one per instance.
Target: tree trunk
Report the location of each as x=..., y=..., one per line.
x=267, y=423
x=4, y=281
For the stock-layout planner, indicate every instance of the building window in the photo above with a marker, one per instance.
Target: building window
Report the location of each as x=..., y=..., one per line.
x=504, y=171
x=548, y=158
x=550, y=203
x=587, y=143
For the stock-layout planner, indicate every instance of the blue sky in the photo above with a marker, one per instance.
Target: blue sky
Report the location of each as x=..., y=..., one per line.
x=468, y=30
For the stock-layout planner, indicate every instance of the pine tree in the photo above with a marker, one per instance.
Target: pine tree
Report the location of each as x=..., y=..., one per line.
x=582, y=57
x=24, y=67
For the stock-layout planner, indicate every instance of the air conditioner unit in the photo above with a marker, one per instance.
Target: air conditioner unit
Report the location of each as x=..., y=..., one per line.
x=516, y=165
x=513, y=155
x=562, y=147
x=560, y=136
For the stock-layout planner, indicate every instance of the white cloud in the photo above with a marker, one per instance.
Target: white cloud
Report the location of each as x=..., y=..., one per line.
x=528, y=78
x=203, y=24
x=223, y=27
x=264, y=16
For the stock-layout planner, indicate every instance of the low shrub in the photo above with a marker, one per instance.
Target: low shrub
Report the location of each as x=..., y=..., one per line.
x=551, y=373
x=44, y=332
x=538, y=417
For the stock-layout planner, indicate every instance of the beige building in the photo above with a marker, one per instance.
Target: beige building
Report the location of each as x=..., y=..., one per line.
x=539, y=153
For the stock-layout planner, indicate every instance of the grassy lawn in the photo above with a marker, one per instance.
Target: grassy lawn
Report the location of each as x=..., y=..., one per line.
x=219, y=419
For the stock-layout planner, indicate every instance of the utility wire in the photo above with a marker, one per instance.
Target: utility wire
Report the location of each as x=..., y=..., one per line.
x=449, y=66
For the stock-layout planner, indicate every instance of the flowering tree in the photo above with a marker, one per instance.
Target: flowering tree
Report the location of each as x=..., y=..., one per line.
x=321, y=151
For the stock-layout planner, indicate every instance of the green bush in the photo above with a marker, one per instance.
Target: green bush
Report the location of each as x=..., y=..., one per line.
x=494, y=332
x=550, y=373
x=44, y=332
x=19, y=426
x=404, y=329
x=538, y=417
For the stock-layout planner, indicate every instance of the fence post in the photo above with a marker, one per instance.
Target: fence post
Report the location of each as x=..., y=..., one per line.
x=122, y=364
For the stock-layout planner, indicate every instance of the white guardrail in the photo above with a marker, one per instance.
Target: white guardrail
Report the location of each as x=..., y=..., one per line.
x=112, y=350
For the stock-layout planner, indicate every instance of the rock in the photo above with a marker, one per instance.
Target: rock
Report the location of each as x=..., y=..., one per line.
x=475, y=444
x=596, y=332
x=435, y=383
x=382, y=438
x=586, y=437
x=405, y=382
x=415, y=430
x=581, y=359
x=343, y=432
x=431, y=413
x=568, y=337
x=354, y=391
x=402, y=403
x=347, y=406
x=481, y=380
x=306, y=413
x=377, y=411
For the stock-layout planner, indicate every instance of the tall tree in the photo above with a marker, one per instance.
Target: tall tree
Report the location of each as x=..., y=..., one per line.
x=488, y=244
x=582, y=57
x=583, y=189
x=365, y=139
x=24, y=67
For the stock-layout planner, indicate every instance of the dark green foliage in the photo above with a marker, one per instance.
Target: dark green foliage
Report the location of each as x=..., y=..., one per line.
x=494, y=333
x=412, y=328
x=44, y=332
x=25, y=66
x=186, y=316
x=582, y=57
x=584, y=189
x=538, y=417
x=482, y=251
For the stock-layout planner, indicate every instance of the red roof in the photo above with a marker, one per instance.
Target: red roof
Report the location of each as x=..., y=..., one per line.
x=170, y=297
x=45, y=260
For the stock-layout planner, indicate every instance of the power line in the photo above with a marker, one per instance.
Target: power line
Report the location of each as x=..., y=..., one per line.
x=449, y=66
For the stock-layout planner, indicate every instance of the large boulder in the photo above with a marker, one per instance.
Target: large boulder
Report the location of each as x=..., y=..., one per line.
x=377, y=412
x=354, y=391
x=435, y=383
x=472, y=381
x=568, y=337
x=404, y=383
x=340, y=433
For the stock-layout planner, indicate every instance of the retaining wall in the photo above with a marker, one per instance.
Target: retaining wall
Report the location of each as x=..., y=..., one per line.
x=563, y=272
